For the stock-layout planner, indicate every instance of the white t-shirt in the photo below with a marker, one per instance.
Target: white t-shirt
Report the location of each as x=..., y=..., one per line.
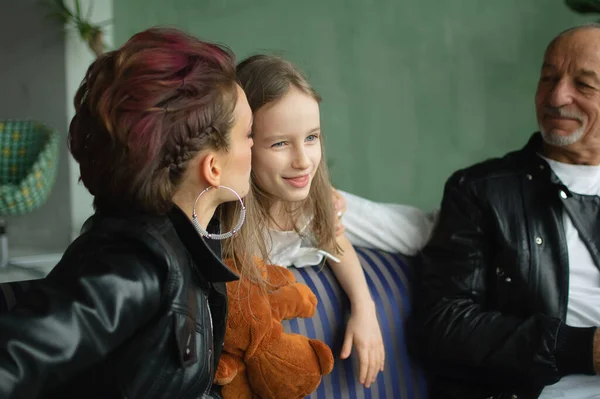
x=288, y=248
x=388, y=227
x=583, y=308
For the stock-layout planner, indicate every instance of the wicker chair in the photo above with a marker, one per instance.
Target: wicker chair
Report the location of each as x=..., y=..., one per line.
x=29, y=153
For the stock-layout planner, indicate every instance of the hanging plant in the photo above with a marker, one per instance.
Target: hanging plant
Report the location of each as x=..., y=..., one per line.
x=584, y=6
x=76, y=19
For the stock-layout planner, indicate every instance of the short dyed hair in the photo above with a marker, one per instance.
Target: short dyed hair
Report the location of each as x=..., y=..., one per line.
x=144, y=111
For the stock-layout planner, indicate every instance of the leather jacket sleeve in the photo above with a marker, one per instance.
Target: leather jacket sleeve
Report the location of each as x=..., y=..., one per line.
x=73, y=319
x=461, y=336
x=215, y=393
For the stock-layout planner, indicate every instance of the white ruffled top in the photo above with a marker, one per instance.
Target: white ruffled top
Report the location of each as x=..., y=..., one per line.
x=290, y=248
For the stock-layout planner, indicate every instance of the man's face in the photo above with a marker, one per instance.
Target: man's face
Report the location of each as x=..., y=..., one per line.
x=568, y=93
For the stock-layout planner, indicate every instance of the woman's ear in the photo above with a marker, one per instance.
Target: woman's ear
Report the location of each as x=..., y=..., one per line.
x=210, y=170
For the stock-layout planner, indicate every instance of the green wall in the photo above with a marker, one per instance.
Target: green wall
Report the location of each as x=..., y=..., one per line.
x=413, y=89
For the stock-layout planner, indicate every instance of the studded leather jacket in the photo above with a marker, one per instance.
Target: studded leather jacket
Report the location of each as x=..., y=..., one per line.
x=136, y=308
x=492, y=296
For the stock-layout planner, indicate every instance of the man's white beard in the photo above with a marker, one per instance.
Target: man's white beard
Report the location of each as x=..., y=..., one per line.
x=559, y=140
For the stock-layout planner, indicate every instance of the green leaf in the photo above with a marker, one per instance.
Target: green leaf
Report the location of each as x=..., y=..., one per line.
x=584, y=6
x=78, y=9
x=62, y=8
x=90, y=10
x=57, y=11
x=104, y=23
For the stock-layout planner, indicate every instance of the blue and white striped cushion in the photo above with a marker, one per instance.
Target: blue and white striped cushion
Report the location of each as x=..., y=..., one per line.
x=388, y=276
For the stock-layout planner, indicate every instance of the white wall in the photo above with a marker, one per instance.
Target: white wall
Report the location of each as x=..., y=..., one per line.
x=78, y=58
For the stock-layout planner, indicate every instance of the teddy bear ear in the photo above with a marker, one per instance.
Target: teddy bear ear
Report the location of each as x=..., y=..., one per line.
x=323, y=354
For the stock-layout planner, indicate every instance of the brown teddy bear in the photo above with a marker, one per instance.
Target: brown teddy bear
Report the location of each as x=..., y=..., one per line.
x=260, y=360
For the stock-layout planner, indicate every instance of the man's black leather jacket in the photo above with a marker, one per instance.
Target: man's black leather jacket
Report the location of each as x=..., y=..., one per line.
x=494, y=283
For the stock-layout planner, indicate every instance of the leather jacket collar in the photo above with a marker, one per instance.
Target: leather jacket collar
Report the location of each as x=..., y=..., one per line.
x=202, y=254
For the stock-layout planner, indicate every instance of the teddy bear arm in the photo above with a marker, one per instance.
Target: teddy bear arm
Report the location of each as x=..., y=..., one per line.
x=239, y=388
x=296, y=300
x=228, y=368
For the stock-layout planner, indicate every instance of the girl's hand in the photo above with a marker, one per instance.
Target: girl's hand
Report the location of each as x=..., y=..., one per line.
x=364, y=333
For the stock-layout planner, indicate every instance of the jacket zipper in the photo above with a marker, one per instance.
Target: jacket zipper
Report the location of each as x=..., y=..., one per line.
x=210, y=349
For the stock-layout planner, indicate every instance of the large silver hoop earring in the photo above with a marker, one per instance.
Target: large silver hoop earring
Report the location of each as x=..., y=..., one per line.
x=221, y=236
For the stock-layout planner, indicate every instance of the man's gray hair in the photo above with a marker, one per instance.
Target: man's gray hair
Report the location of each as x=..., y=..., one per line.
x=587, y=25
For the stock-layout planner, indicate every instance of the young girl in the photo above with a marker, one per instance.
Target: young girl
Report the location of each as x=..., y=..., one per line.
x=291, y=196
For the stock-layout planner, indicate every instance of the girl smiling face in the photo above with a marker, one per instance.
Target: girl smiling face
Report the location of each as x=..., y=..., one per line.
x=287, y=149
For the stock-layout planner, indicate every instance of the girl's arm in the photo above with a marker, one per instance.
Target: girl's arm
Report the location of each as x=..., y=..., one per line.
x=363, y=330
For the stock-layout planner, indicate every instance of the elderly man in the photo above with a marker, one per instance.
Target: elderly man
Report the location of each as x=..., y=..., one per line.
x=508, y=304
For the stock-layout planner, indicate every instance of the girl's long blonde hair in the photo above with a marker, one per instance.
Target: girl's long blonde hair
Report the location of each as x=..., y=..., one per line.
x=266, y=79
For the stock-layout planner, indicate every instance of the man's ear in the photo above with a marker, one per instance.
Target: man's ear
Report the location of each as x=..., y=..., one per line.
x=210, y=170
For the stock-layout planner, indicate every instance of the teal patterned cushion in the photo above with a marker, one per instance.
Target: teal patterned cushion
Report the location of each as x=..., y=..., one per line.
x=28, y=165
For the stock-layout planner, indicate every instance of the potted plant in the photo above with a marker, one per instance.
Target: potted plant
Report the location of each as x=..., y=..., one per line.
x=584, y=6
x=75, y=18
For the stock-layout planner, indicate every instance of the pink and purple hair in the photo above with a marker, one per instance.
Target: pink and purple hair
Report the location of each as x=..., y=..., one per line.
x=144, y=110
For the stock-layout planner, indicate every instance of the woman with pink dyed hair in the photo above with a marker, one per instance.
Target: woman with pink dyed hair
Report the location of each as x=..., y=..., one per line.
x=137, y=306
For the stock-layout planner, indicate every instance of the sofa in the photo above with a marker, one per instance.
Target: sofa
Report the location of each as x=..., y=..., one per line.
x=389, y=277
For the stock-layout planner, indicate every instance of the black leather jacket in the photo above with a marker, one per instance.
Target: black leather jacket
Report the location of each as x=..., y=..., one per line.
x=125, y=314
x=493, y=291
